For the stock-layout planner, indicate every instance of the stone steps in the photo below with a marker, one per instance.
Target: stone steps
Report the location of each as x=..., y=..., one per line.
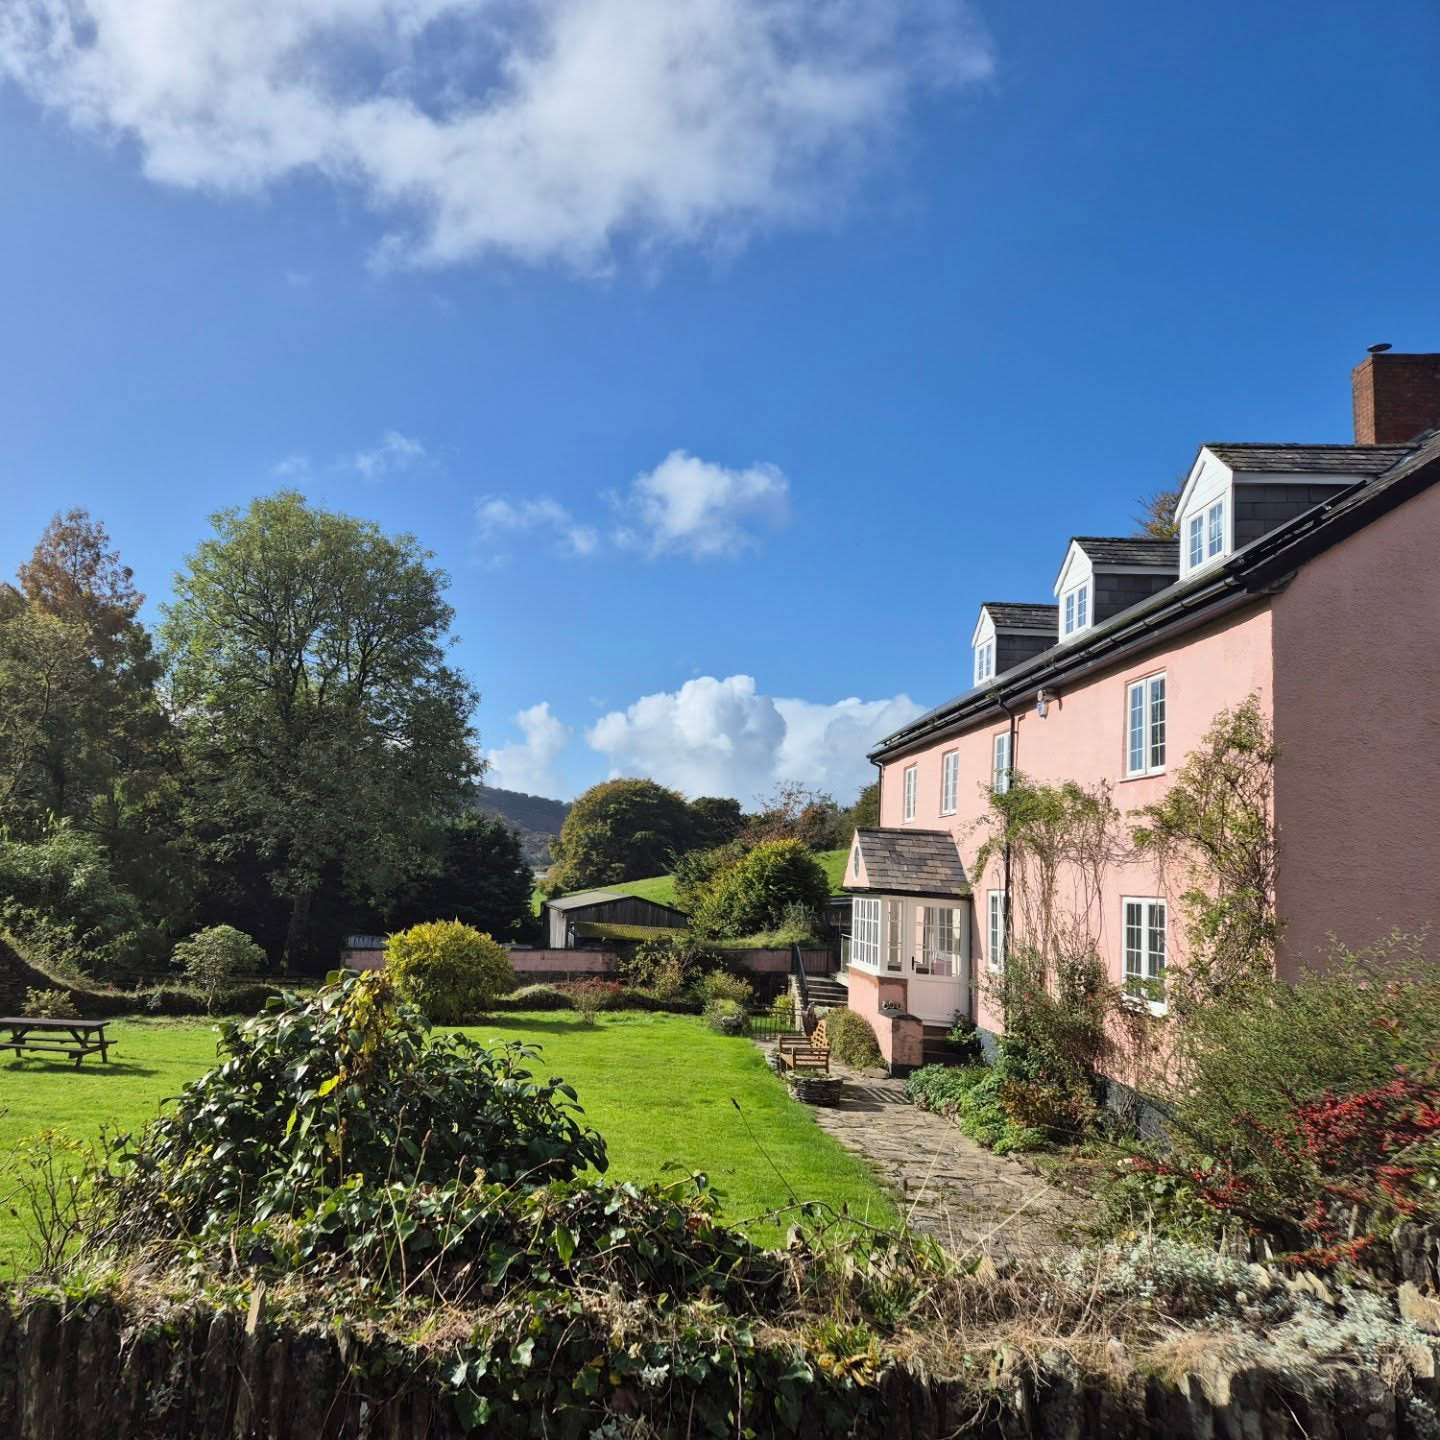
x=936, y=1048
x=824, y=991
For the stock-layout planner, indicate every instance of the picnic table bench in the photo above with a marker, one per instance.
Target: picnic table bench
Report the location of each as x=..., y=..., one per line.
x=75, y=1038
x=800, y=1052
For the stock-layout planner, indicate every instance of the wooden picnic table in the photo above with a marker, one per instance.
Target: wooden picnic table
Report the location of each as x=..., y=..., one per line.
x=74, y=1038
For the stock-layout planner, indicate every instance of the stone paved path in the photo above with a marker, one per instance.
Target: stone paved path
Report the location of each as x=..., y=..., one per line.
x=947, y=1185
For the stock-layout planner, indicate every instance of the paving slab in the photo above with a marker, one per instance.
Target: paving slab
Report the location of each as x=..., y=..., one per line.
x=945, y=1184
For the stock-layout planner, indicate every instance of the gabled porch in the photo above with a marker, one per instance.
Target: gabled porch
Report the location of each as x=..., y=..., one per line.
x=910, y=925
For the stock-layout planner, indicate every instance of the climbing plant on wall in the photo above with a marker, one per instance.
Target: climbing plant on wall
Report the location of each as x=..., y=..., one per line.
x=1213, y=833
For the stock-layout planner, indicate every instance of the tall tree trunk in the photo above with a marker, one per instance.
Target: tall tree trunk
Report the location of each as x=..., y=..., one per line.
x=295, y=933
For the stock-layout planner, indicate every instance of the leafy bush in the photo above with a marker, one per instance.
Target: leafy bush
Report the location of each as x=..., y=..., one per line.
x=973, y=1096
x=1055, y=1041
x=669, y=963
x=590, y=997
x=696, y=871
x=852, y=1040
x=212, y=958
x=754, y=894
x=1307, y=1112
x=58, y=894
x=347, y=1087
x=728, y=1017
x=721, y=985
x=964, y=1039
x=451, y=972
x=43, y=1004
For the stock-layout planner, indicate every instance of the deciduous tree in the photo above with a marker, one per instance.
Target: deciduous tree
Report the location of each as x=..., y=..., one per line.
x=619, y=830
x=323, y=727
x=481, y=877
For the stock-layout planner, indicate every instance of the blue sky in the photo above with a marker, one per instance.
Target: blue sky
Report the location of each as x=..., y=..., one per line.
x=727, y=355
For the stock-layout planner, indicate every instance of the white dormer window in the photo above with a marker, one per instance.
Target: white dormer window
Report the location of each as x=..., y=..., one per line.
x=1215, y=529
x=984, y=662
x=1197, y=540
x=1075, y=614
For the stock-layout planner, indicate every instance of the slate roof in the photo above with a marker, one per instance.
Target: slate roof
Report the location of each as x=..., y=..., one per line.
x=582, y=898
x=1130, y=550
x=1269, y=560
x=1310, y=459
x=912, y=862
x=1008, y=616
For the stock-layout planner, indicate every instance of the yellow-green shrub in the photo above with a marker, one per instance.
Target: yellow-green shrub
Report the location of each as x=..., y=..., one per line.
x=450, y=971
x=852, y=1040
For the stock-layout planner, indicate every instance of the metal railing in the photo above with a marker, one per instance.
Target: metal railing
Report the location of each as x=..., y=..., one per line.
x=779, y=1018
x=797, y=967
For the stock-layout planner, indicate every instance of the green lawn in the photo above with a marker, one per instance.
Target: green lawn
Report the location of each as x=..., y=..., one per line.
x=657, y=1087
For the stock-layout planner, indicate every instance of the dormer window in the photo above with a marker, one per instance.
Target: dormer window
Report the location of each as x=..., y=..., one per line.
x=1215, y=530
x=984, y=662
x=1205, y=535
x=1076, y=610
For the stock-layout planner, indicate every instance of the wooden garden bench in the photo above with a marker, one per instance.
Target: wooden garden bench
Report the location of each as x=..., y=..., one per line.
x=799, y=1052
x=73, y=1038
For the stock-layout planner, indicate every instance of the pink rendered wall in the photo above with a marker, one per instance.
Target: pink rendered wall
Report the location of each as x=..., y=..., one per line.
x=1083, y=738
x=1357, y=692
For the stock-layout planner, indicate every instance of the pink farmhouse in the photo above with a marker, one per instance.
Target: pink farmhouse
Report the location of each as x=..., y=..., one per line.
x=1305, y=575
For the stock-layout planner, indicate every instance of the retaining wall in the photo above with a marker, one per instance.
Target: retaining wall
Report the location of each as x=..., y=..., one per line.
x=86, y=1369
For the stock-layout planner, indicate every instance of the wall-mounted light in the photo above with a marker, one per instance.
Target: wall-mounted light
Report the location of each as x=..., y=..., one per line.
x=1042, y=702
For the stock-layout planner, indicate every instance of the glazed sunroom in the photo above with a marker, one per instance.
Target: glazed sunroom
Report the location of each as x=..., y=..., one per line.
x=910, y=924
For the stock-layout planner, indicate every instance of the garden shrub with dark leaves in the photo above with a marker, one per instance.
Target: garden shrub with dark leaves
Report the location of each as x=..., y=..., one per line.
x=314, y=1093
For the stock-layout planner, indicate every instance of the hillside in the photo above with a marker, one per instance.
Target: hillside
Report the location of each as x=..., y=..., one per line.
x=661, y=888
x=537, y=818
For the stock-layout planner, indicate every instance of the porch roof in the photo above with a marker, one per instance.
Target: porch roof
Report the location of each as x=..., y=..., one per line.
x=911, y=862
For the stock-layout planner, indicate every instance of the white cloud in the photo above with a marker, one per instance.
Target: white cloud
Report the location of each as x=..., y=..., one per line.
x=292, y=467
x=530, y=766
x=496, y=516
x=689, y=506
x=547, y=130
x=722, y=737
x=394, y=453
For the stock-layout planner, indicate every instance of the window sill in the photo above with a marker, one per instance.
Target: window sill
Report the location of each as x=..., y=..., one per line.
x=1158, y=1009
x=1143, y=775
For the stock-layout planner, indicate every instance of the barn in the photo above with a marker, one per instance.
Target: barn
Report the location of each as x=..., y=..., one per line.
x=594, y=916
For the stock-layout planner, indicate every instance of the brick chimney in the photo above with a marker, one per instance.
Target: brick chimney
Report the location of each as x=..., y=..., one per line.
x=1397, y=397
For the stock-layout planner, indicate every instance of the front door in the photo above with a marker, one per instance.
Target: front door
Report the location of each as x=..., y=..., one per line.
x=939, y=979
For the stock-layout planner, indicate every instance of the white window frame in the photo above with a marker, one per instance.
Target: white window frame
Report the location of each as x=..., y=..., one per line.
x=1144, y=977
x=909, y=784
x=941, y=947
x=1196, y=541
x=1152, y=712
x=1001, y=768
x=1215, y=529
x=896, y=913
x=995, y=931
x=1075, y=612
x=865, y=933
x=949, y=781
x=984, y=661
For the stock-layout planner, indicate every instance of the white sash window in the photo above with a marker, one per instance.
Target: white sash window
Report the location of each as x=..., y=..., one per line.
x=1146, y=947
